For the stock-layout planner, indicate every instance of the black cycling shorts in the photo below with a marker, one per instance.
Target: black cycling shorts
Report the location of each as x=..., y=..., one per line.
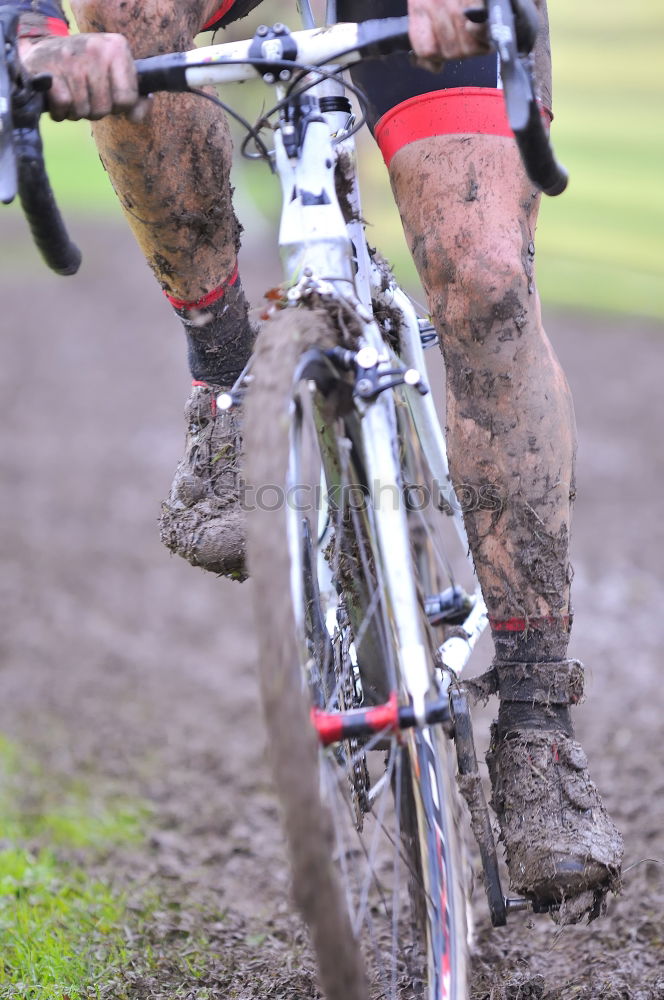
x=406, y=103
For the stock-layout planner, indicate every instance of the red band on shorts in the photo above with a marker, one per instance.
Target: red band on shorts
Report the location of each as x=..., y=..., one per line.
x=57, y=27
x=525, y=624
x=207, y=300
x=223, y=10
x=458, y=111
x=49, y=26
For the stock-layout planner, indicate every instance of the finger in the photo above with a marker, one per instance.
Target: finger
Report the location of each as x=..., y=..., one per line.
x=479, y=35
x=446, y=41
x=59, y=99
x=80, y=106
x=433, y=65
x=124, y=83
x=422, y=37
x=99, y=96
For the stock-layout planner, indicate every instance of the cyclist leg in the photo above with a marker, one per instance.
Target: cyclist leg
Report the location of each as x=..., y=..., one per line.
x=511, y=434
x=171, y=174
x=469, y=214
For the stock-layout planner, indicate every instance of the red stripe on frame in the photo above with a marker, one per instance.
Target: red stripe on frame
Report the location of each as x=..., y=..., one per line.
x=328, y=725
x=457, y=111
x=384, y=716
x=335, y=726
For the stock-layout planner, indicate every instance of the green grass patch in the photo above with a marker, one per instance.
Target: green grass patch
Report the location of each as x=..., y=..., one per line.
x=62, y=932
x=79, y=179
x=59, y=931
x=67, y=931
x=600, y=244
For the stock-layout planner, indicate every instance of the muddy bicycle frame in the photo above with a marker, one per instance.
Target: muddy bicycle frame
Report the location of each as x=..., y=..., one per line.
x=325, y=256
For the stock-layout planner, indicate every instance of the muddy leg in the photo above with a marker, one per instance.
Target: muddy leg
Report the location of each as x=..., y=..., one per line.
x=469, y=215
x=171, y=173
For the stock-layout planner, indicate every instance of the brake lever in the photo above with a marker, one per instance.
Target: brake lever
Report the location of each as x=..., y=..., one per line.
x=526, y=22
x=512, y=27
x=517, y=81
x=8, y=165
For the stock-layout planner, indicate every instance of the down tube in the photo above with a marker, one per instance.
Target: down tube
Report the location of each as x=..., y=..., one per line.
x=379, y=432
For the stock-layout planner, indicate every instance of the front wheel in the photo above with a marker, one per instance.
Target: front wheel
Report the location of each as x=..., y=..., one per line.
x=371, y=824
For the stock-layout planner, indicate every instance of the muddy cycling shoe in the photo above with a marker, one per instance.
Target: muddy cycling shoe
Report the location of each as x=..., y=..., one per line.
x=202, y=519
x=561, y=846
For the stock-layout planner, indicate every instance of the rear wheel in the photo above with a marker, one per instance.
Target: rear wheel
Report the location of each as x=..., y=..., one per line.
x=371, y=823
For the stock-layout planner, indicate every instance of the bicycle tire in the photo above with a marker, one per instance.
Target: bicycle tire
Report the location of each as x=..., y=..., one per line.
x=416, y=778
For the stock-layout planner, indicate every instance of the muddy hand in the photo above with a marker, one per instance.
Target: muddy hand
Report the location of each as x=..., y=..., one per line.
x=439, y=30
x=93, y=75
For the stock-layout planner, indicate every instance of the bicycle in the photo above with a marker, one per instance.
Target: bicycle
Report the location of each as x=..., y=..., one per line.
x=363, y=625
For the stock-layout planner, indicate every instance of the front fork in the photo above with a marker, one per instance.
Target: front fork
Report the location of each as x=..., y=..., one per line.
x=320, y=254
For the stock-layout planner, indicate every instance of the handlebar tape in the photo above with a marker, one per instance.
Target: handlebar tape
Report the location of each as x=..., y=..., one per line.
x=537, y=155
x=160, y=73
x=42, y=213
x=383, y=36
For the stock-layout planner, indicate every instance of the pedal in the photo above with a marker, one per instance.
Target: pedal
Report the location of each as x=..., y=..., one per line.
x=470, y=785
x=515, y=904
x=450, y=607
x=428, y=334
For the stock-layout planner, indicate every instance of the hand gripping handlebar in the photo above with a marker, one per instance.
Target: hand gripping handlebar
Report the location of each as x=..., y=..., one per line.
x=22, y=168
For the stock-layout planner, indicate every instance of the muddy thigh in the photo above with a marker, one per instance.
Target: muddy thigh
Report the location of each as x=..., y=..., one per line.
x=171, y=172
x=469, y=215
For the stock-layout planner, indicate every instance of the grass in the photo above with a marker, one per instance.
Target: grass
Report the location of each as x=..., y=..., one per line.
x=67, y=931
x=599, y=245
x=61, y=931
x=58, y=930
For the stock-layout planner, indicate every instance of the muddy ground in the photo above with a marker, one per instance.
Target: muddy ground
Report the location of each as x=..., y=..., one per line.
x=124, y=665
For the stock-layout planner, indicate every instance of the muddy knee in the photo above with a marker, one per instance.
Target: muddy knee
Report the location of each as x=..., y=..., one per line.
x=151, y=26
x=469, y=215
x=485, y=304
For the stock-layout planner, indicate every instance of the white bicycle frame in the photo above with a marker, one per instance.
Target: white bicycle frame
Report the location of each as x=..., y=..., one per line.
x=325, y=255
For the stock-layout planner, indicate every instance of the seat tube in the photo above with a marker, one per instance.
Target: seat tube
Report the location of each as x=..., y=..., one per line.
x=347, y=176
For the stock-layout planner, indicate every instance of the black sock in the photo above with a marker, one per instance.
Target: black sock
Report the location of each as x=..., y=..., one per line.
x=515, y=716
x=219, y=335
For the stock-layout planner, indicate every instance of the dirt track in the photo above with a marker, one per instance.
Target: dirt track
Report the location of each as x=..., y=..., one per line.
x=125, y=664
